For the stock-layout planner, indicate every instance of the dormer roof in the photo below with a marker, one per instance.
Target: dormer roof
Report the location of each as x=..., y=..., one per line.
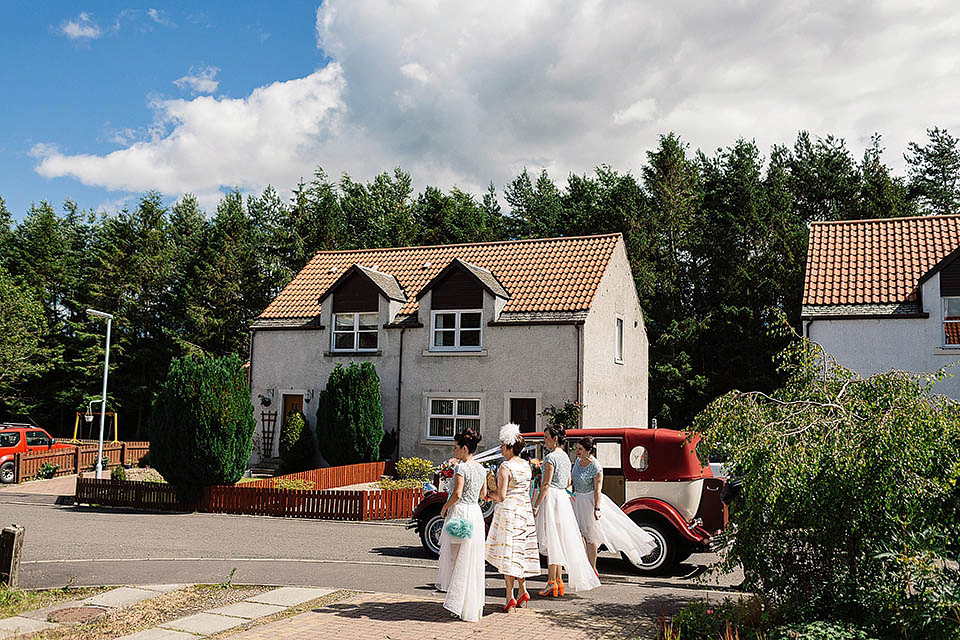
x=483, y=277
x=386, y=283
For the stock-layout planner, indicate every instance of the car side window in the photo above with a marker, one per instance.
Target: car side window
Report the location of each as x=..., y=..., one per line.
x=37, y=439
x=9, y=439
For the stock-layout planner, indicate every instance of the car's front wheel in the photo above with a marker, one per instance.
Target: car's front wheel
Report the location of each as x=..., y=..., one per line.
x=430, y=532
x=664, y=555
x=6, y=472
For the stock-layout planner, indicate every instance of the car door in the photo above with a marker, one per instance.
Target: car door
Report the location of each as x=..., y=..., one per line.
x=38, y=441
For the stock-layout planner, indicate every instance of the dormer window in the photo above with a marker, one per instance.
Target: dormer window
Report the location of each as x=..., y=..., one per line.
x=951, y=321
x=457, y=330
x=355, y=331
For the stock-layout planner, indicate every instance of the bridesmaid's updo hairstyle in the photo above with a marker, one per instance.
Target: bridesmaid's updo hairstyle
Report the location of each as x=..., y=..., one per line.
x=557, y=432
x=587, y=443
x=468, y=438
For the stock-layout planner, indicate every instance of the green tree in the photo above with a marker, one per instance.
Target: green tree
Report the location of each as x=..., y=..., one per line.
x=350, y=416
x=23, y=350
x=882, y=195
x=201, y=429
x=824, y=179
x=934, y=172
x=850, y=507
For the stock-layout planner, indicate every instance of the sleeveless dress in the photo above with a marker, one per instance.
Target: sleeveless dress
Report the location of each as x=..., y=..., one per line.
x=512, y=540
x=460, y=568
x=614, y=529
x=557, y=532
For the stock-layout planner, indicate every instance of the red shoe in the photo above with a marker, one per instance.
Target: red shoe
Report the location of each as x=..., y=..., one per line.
x=522, y=600
x=510, y=605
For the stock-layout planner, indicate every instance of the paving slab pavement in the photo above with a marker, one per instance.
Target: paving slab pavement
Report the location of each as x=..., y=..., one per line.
x=19, y=625
x=290, y=596
x=248, y=610
x=403, y=617
x=204, y=624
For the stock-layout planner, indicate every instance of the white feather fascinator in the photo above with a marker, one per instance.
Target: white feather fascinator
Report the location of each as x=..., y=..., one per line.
x=509, y=434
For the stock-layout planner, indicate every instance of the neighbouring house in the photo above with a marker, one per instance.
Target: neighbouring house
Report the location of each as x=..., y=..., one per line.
x=461, y=335
x=885, y=294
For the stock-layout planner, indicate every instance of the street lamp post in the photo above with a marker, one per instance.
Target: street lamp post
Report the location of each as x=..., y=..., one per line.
x=103, y=401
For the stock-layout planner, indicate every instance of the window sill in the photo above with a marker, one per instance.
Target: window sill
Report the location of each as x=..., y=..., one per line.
x=353, y=354
x=436, y=441
x=947, y=351
x=481, y=352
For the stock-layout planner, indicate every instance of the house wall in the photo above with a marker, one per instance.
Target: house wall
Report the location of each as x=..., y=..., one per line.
x=538, y=361
x=615, y=394
x=909, y=344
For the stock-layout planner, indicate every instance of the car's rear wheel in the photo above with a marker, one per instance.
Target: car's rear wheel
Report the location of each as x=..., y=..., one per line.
x=6, y=472
x=430, y=532
x=664, y=555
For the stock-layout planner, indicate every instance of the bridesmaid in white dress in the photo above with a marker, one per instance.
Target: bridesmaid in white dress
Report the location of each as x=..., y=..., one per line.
x=601, y=521
x=461, y=567
x=512, y=541
x=557, y=531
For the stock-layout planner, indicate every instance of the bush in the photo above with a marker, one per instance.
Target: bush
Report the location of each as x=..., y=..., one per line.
x=118, y=473
x=201, y=428
x=850, y=507
x=293, y=483
x=415, y=468
x=349, y=415
x=567, y=416
x=296, y=443
x=47, y=471
x=819, y=630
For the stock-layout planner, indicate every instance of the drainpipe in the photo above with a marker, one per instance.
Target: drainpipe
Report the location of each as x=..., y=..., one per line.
x=580, y=367
x=399, y=396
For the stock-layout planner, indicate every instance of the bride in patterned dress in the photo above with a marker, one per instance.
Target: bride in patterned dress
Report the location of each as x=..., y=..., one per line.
x=460, y=569
x=512, y=541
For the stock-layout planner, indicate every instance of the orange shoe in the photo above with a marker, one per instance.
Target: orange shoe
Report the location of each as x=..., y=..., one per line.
x=550, y=590
x=559, y=588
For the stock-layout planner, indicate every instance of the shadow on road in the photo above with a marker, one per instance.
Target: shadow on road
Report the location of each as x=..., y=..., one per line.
x=408, y=551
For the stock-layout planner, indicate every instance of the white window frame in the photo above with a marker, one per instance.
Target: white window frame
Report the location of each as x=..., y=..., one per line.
x=456, y=330
x=355, y=331
x=943, y=330
x=618, y=346
x=456, y=415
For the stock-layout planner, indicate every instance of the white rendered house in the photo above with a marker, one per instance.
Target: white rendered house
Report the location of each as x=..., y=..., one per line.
x=461, y=335
x=885, y=294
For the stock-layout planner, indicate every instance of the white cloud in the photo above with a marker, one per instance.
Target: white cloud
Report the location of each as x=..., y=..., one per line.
x=158, y=17
x=82, y=28
x=465, y=93
x=211, y=142
x=200, y=79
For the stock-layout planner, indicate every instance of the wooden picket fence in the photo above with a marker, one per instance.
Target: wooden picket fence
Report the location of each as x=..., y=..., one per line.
x=83, y=457
x=331, y=477
x=329, y=504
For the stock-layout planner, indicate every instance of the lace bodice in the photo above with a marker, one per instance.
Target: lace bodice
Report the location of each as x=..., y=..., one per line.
x=474, y=476
x=561, y=468
x=583, y=476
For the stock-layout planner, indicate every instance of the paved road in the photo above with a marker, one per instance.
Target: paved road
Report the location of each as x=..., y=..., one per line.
x=114, y=546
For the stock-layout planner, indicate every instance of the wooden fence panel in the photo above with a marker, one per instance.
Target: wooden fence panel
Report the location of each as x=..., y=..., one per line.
x=80, y=458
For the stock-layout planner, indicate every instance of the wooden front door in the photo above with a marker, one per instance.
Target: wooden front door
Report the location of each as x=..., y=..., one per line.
x=523, y=411
x=292, y=403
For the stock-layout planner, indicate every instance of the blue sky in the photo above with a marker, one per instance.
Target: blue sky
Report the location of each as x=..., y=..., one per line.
x=103, y=101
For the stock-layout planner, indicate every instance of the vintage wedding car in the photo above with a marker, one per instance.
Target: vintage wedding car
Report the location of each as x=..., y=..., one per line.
x=656, y=477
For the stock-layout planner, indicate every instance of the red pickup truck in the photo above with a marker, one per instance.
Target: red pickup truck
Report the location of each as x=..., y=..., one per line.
x=21, y=438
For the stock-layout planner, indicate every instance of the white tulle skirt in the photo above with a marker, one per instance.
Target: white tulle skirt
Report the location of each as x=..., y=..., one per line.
x=614, y=529
x=461, y=567
x=559, y=539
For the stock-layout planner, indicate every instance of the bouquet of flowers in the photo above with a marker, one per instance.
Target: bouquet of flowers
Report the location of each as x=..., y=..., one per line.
x=492, y=469
x=445, y=473
x=536, y=472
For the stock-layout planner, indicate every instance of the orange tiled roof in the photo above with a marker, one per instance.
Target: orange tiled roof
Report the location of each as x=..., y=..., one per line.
x=553, y=274
x=875, y=261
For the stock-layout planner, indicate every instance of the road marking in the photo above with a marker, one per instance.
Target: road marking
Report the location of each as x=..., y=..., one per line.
x=301, y=560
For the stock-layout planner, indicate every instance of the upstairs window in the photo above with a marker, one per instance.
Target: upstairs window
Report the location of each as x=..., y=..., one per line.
x=456, y=330
x=619, y=353
x=951, y=322
x=355, y=331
